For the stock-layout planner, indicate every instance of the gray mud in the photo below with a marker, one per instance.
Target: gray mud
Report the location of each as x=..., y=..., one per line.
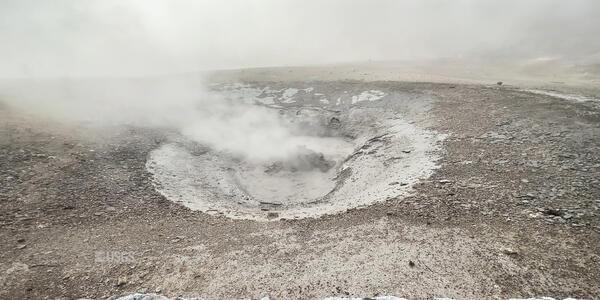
x=357, y=147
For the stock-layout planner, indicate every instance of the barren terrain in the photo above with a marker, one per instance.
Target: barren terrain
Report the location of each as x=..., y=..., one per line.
x=510, y=210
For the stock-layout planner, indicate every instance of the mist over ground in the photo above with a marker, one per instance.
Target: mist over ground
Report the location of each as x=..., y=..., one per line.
x=59, y=50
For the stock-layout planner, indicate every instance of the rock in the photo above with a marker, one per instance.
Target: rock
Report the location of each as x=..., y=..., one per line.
x=445, y=181
x=527, y=196
x=509, y=251
x=23, y=246
x=178, y=239
x=98, y=213
x=499, y=161
x=122, y=281
x=499, y=83
x=411, y=264
x=552, y=212
x=334, y=123
x=567, y=155
x=394, y=183
x=21, y=240
x=272, y=215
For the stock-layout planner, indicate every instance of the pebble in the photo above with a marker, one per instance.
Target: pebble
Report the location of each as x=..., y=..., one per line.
x=122, y=281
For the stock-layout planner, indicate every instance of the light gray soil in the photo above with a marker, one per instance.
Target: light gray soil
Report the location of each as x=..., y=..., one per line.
x=512, y=211
x=356, y=147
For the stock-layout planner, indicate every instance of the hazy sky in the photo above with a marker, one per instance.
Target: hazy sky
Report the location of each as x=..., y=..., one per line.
x=138, y=37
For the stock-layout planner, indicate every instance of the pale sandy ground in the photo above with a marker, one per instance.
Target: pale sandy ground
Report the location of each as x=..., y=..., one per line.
x=540, y=73
x=471, y=239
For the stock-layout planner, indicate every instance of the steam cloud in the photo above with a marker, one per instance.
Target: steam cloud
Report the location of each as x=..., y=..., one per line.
x=251, y=132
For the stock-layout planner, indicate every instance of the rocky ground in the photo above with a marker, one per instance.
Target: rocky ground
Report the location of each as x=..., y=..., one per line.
x=513, y=211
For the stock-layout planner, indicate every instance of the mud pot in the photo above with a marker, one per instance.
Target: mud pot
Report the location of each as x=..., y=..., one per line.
x=353, y=148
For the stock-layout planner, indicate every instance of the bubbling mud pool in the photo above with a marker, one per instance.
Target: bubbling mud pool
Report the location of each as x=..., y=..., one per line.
x=360, y=149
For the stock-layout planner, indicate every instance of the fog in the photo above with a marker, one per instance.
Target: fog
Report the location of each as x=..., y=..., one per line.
x=99, y=41
x=140, y=37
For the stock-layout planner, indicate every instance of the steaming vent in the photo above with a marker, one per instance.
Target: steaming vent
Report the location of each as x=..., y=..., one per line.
x=348, y=149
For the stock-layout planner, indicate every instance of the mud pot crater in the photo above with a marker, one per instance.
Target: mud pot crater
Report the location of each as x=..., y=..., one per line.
x=364, y=144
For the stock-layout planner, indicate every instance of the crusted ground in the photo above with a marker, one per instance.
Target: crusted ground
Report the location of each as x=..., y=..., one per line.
x=511, y=212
